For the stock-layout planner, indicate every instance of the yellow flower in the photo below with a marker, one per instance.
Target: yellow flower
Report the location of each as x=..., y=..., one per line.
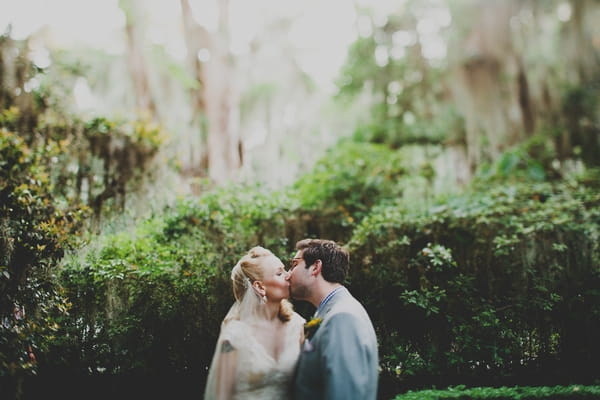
x=311, y=327
x=312, y=323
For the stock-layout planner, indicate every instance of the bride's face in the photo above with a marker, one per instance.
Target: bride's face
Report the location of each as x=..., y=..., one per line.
x=275, y=279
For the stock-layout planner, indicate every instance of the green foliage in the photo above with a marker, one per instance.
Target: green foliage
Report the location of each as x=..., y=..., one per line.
x=407, y=92
x=359, y=67
x=101, y=160
x=34, y=234
x=412, y=95
x=499, y=279
x=533, y=161
x=491, y=281
x=46, y=159
x=231, y=218
x=345, y=184
x=506, y=393
x=168, y=282
x=580, y=107
x=408, y=129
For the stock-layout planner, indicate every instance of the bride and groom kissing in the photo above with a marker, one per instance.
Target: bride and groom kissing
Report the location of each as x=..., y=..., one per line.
x=266, y=351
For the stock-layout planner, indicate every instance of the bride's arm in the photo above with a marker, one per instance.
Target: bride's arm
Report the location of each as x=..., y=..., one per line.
x=226, y=371
x=221, y=379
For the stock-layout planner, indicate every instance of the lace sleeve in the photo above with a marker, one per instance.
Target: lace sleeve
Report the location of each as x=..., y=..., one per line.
x=220, y=384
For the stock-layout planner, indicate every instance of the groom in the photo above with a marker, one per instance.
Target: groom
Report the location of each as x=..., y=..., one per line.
x=339, y=356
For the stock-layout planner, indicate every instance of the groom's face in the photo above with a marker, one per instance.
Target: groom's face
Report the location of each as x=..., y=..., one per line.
x=299, y=278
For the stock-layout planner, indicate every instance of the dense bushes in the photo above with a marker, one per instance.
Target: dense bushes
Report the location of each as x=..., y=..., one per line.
x=489, y=284
x=34, y=233
x=168, y=281
x=151, y=301
x=572, y=392
x=343, y=186
x=54, y=170
x=498, y=281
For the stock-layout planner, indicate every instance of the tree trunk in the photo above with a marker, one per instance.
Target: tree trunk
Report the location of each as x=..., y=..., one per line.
x=135, y=57
x=197, y=40
x=494, y=117
x=217, y=95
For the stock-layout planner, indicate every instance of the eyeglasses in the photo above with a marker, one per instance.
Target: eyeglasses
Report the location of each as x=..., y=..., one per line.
x=294, y=262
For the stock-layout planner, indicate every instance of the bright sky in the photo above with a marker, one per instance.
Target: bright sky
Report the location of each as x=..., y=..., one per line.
x=321, y=30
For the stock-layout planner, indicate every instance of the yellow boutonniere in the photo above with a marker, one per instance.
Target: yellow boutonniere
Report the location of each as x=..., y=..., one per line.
x=311, y=327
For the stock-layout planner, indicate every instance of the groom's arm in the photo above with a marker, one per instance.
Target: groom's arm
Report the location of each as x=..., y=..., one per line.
x=347, y=360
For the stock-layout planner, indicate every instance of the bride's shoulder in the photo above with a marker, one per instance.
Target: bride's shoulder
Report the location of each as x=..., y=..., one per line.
x=233, y=328
x=297, y=319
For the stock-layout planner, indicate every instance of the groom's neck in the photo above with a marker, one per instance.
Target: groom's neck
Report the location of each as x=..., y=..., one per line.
x=322, y=290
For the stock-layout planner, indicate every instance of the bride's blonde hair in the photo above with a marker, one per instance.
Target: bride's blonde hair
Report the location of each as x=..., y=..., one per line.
x=249, y=269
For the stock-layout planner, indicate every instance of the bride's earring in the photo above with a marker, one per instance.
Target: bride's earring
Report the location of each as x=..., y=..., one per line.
x=263, y=299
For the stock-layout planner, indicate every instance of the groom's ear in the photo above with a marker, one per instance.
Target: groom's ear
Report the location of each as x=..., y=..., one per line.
x=318, y=265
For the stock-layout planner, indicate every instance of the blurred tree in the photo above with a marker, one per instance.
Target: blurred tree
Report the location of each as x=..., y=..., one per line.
x=135, y=56
x=34, y=230
x=480, y=77
x=217, y=95
x=197, y=40
x=485, y=86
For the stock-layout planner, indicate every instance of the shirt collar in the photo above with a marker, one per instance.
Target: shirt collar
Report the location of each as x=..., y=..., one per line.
x=327, y=298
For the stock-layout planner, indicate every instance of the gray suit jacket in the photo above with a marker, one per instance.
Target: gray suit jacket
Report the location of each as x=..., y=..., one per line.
x=340, y=360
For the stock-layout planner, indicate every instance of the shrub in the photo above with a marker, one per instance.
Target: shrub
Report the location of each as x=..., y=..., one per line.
x=34, y=233
x=485, y=284
x=167, y=282
x=343, y=187
x=571, y=392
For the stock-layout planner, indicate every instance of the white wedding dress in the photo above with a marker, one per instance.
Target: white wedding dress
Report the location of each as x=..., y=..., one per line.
x=258, y=375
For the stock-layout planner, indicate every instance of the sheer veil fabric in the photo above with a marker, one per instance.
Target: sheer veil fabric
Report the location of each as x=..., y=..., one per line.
x=241, y=357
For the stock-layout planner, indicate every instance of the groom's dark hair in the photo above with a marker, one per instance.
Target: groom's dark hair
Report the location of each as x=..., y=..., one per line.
x=335, y=259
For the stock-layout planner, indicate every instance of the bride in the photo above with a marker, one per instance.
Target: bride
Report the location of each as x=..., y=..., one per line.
x=260, y=337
